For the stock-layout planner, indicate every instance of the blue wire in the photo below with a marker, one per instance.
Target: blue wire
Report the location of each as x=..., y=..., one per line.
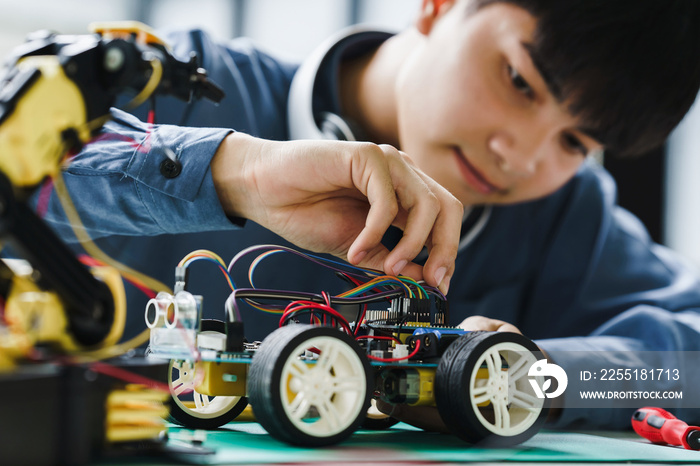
x=344, y=264
x=380, y=283
x=252, y=270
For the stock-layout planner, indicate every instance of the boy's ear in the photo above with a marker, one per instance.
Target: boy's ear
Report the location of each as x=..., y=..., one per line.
x=429, y=12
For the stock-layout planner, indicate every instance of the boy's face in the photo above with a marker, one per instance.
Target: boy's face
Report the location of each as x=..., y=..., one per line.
x=475, y=114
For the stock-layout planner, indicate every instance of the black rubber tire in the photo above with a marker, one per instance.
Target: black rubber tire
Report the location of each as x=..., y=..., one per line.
x=183, y=418
x=452, y=389
x=264, y=387
x=379, y=424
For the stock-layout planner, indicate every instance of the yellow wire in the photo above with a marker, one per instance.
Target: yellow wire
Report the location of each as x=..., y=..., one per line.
x=98, y=122
x=115, y=350
x=207, y=254
x=418, y=287
x=267, y=310
x=150, y=86
x=370, y=284
x=259, y=259
x=202, y=252
x=90, y=247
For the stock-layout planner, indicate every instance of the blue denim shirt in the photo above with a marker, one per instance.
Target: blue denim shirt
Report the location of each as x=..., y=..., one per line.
x=573, y=271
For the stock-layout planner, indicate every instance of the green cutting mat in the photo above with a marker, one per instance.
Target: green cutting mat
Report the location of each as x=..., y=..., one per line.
x=248, y=443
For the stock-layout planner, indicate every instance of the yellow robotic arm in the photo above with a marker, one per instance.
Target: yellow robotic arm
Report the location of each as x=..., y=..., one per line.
x=58, y=91
x=54, y=97
x=33, y=136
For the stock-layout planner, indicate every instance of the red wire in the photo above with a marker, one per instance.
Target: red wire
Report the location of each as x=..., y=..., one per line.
x=91, y=261
x=343, y=323
x=362, y=317
x=327, y=298
x=121, y=374
x=415, y=351
x=118, y=137
x=379, y=337
x=364, y=308
x=147, y=291
x=301, y=305
x=3, y=317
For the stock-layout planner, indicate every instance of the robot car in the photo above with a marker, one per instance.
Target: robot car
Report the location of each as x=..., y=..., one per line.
x=315, y=380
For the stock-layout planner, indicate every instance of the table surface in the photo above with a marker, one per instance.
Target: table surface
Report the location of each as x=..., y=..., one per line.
x=248, y=443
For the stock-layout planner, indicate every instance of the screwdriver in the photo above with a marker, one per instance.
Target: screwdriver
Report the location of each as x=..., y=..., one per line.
x=660, y=426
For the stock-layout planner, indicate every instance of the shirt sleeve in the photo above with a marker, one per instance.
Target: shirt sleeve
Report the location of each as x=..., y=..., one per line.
x=140, y=179
x=137, y=179
x=649, y=345
x=635, y=302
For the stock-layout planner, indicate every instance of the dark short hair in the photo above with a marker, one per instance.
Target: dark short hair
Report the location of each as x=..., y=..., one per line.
x=630, y=69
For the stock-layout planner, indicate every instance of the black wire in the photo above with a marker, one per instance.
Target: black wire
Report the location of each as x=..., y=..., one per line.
x=310, y=310
x=247, y=293
x=359, y=315
x=377, y=329
x=186, y=113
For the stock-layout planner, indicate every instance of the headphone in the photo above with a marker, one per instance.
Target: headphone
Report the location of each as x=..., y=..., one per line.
x=334, y=127
x=303, y=122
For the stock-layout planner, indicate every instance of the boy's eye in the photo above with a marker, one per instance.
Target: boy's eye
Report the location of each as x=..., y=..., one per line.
x=519, y=83
x=573, y=144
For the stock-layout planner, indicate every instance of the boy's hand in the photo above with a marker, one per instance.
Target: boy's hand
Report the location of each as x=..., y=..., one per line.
x=485, y=323
x=339, y=198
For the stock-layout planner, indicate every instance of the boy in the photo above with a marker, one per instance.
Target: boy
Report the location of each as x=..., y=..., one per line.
x=500, y=102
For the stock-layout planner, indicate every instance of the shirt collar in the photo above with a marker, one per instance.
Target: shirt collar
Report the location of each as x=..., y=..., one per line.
x=314, y=89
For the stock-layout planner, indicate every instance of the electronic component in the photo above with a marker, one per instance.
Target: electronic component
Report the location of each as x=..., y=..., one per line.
x=434, y=341
x=413, y=386
x=410, y=311
x=174, y=322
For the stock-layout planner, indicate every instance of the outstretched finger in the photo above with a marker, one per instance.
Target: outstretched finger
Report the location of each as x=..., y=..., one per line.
x=436, y=221
x=418, y=208
x=374, y=257
x=423, y=209
x=371, y=175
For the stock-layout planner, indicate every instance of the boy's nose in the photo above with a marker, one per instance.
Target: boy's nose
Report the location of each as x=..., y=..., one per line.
x=515, y=156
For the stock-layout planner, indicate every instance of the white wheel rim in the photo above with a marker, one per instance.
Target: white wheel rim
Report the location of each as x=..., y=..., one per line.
x=205, y=406
x=509, y=406
x=323, y=398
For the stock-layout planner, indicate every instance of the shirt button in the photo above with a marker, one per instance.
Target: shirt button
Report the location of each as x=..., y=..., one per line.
x=170, y=168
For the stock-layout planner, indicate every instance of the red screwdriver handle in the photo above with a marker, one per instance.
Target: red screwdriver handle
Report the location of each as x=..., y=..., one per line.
x=660, y=426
